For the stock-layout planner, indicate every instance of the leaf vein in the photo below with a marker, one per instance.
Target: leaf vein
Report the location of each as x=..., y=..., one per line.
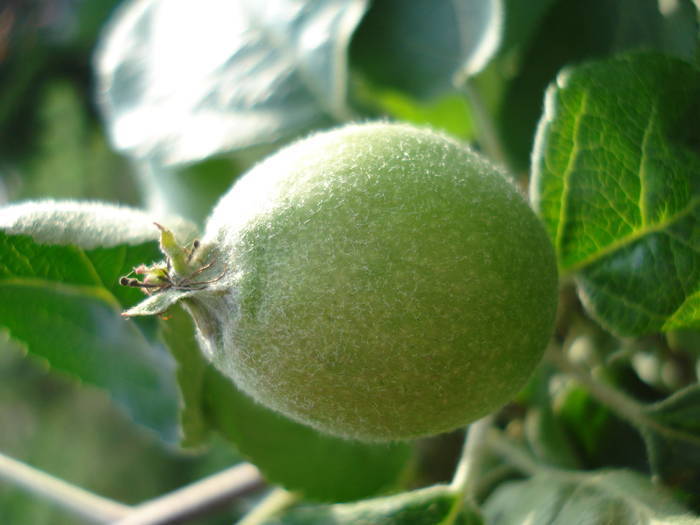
x=568, y=172
x=643, y=183
x=634, y=236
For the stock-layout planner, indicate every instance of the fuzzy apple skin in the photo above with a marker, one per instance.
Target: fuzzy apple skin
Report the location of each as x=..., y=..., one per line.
x=383, y=283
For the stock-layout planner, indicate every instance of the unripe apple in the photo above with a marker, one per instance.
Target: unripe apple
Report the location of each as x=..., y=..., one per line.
x=380, y=282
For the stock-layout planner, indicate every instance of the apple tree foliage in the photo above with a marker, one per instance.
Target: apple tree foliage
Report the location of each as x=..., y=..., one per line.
x=594, y=106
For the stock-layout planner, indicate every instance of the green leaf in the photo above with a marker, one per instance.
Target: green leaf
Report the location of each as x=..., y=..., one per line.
x=569, y=32
x=563, y=498
x=297, y=457
x=247, y=72
x=419, y=47
x=431, y=506
x=674, y=462
x=87, y=224
x=673, y=444
x=522, y=20
x=597, y=434
x=192, y=371
x=679, y=30
x=545, y=432
x=681, y=410
x=60, y=298
x=449, y=112
x=615, y=178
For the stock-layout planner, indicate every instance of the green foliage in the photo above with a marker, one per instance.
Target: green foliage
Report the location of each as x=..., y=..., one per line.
x=673, y=442
x=65, y=266
x=193, y=97
x=615, y=178
x=435, y=505
x=425, y=46
x=568, y=33
x=261, y=80
x=594, y=498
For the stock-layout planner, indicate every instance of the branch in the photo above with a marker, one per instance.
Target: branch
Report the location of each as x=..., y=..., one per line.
x=514, y=455
x=620, y=403
x=197, y=498
x=83, y=503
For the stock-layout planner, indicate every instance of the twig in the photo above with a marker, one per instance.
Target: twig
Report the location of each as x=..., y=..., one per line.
x=464, y=480
x=513, y=454
x=197, y=498
x=276, y=501
x=623, y=405
x=80, y=501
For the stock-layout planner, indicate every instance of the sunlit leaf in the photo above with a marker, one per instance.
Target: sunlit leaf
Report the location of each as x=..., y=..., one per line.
x=431, y=506
x=60, y=298
x=596, y=498
x=570, y=32
x=180, y=82
x=616, y=178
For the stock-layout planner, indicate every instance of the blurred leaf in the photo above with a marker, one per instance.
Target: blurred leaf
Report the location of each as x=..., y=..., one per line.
x=449, y=112
x=434, y=505
x=685, y=341
x=681, y=410
x=569, y=32
x=88, y=225
x=60, y=298
x=522, y=20
x=545, y=432
x=192, y=371
x=599, y=436
x=179, y=83
x=297, y=457
x=419, y=47
x=680, y=26
x=190, y=191
x=619, y=497
x=674, y=443
x=674, y=462
x=616, y=180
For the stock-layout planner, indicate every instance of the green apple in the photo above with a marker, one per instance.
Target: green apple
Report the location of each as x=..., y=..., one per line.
x=379, y=282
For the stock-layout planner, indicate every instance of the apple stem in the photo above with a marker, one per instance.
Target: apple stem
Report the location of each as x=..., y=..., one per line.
x=468, y=467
